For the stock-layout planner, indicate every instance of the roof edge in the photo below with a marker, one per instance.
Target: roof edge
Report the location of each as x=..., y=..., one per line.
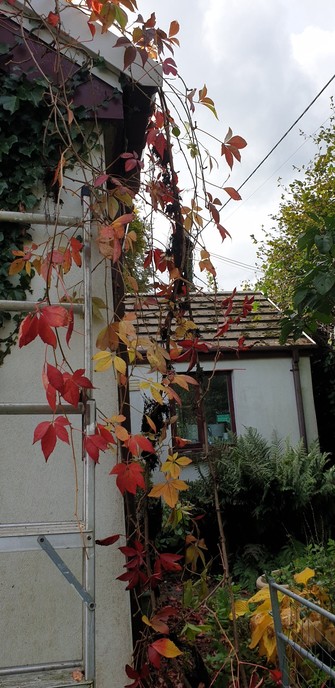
x=76, y=35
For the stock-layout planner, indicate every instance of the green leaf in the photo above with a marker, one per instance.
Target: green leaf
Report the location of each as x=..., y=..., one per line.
x=191, y=630
x=6, y=144
x=10, y=103
x=121, y=17
x=324, y=282
x=299, y=296
x=188, y=594
x=323, y=242
x=306, y=240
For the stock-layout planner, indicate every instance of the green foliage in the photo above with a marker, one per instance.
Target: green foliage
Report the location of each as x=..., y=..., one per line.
x=305, y=232
x=319, y=557
x=133, y=260
x=222, y=658
x=31, y=143
x=253, y=559
x=313, y=297
x=270, y=494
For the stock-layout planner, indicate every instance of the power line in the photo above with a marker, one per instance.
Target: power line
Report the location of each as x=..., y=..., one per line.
x=281, y=139
x=237, y=263
x=240, y=205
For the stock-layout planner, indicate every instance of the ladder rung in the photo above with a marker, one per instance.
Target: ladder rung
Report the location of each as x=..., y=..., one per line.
x=27, y=306
x=56, y=678
x=39, y=219
x=8, y=409
x=63, y=535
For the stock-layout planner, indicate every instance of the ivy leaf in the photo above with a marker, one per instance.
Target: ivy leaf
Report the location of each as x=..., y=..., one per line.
x=10, y=103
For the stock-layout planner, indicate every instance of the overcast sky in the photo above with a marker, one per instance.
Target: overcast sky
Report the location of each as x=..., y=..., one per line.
x=263, y=61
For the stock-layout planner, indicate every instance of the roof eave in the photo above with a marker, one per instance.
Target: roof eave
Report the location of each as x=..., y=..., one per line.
x=75, y=34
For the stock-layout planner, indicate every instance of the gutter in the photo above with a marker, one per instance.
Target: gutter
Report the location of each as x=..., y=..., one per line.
x=298, y=395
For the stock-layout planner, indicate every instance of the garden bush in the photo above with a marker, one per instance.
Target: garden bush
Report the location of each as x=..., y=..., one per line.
x=273, y=496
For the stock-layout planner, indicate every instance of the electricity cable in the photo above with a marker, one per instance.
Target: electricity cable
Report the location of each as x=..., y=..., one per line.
x=279, y=142
x=240, y=205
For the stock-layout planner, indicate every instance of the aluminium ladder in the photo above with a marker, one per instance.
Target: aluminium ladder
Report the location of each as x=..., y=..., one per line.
x=51, y=537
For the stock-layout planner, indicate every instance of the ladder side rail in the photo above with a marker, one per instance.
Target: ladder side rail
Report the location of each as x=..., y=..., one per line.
x=89, y=465
x=27, y=306
x=46, y=666
x=87, y=410
x=39, y=219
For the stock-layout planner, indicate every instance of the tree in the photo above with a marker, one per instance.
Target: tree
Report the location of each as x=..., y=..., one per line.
x=133, y=259
x=297, y=257
x=298, y=262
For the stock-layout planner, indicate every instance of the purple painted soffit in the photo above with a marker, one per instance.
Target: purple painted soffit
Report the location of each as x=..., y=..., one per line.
x=90, y=94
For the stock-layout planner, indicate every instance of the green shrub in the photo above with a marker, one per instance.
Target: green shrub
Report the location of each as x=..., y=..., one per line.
x=270, y=495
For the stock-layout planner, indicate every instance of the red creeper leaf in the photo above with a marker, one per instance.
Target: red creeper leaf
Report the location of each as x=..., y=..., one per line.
x=129, y=477
x=107, y=541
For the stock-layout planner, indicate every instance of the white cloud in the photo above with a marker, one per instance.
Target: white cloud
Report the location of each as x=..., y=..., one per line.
x=314, y=51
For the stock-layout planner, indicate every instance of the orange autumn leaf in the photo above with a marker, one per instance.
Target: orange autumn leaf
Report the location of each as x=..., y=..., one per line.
x=156, y=623
x=166, y=648
x=121, y=433
x=169, y=491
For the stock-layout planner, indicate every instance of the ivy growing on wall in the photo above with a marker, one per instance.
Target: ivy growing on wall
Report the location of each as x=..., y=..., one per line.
x=29, y=153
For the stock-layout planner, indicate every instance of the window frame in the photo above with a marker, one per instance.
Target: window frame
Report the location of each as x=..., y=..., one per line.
x=202, y=444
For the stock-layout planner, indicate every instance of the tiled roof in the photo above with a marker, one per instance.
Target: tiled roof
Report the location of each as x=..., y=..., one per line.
x=261, y=326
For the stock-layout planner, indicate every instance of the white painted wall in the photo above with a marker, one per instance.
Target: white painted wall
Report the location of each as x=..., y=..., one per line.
x=40, y=618
x=263, y=396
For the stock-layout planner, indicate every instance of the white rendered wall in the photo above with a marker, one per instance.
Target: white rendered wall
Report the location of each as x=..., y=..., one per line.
x=40, y=618
x=263, y=396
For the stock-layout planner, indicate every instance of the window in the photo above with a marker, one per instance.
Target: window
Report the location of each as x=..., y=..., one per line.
x=206, y=412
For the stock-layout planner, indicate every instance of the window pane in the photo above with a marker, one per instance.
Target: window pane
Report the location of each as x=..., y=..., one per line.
x=187, y=424
x=216, y=409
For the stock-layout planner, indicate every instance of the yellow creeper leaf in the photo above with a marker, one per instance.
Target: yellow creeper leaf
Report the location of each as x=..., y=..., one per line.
x=269, y=640
x=169, y=491
x=146, y=620
x=172, y=468
x=241, y=608
x=120, y=365
x=259, y=625
x=157, y=396
x=104, y=361
x=183, y=461
x=16, y=266
x=131, y=281
x=151, y=424
x=304, y=576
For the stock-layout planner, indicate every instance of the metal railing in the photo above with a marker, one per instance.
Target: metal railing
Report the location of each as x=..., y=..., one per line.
x=308, y=647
